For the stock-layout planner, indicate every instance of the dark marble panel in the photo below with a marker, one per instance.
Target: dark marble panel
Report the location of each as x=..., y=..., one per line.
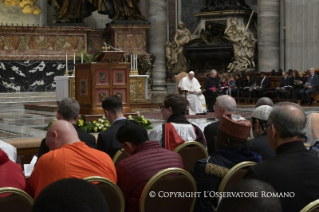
x=31, y=75
x=189, y=8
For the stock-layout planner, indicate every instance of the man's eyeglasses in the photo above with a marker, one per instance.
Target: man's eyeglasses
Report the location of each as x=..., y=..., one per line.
x=162, y=107
x=216, y=107
x=267, y=126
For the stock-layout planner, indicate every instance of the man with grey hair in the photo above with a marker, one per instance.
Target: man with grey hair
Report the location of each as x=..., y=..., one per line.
x=258, y=121
x=212, y=88
x=224, y=105
x=264, y=101
x=284, y=86
x=68, y=110
x=294, y=170
x=311, y=87
x=194, y=96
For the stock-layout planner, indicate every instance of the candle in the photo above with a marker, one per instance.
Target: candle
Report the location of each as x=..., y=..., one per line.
x=136, y=62
x=74, y=59
x=131, y=61
x=81, y=57
x=66, y=61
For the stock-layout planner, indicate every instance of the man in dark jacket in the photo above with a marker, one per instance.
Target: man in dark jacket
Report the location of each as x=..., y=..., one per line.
x=264, y=86
x=177, y=129
x=224, y=105
x=230, y=145
x=294, y=170
x=284, y=86
x=106, y=140
x=260, y=144
x=68, y=110
x=146, y=159
x=211, y=90
x=311, y=87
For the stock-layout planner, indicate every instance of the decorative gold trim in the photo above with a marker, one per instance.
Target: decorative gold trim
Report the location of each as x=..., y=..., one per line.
x=72, y=88
x=102, y=96
x=160, y=174
x=311, y=206
x=17, y=191
x=110, y=183
x=119, y=76
x=241, y=165
x=102, y=76
x=117, y=155
x=188, y=143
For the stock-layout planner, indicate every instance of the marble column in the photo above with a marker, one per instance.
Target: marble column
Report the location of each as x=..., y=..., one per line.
x=268, y=35
x=158, y=38
x=144, y=8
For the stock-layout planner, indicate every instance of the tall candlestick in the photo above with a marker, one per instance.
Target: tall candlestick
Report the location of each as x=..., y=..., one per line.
x=66, y=61
x=81, y=57
x=136, y=62
x=74, y=59
x=131, y=61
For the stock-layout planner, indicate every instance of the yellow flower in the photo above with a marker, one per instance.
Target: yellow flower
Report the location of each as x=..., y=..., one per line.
x=104, y=128
x=95, y=129
x=81, y=122
x=94, y=122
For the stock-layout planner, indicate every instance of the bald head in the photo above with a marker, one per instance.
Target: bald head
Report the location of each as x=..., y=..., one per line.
x=191, y=75
x=264, y=101
x=288, y=122
x=225, y=104
x=60, y=133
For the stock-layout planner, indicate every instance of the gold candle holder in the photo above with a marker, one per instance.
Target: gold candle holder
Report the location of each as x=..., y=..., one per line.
x=66, y=73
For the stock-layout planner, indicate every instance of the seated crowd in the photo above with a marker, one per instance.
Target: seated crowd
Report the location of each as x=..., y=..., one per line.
x=273, y=138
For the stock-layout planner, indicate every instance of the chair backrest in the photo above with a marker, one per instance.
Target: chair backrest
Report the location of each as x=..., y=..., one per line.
x=171, y=189
x=119, y=155
x=18, y=200
x=111, y=192
x=311, y=207
x=191, y=151
x=234, y=175
x=178, y=78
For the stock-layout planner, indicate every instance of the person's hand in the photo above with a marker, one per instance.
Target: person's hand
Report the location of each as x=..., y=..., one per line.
x=221, y=87
x=309, y=86
x=282, y=88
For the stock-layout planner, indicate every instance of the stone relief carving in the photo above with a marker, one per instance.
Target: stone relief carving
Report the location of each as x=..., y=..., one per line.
x=102, y=76
x=119, y=76
x=244, y=42
x=27, y=6
x=176, y=61
x=102, y=96
x=120, y=94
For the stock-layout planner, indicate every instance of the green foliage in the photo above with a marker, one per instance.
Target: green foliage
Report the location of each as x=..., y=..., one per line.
x=87, y=58
x=102, y=124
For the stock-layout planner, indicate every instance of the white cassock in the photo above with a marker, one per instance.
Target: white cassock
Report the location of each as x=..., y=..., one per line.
x=197, y=103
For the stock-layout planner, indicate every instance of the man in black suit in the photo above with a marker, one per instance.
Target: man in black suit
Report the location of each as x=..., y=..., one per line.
x=211, y=87
x=224, y=105
x=260, y=144
x=311, y=86
x=68, y=110
x=284, y=86
x=113, y=109
x=239, y=86
x=294, y=170
x=264, y=86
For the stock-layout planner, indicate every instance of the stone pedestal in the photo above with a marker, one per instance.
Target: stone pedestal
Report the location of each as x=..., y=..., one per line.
x=127, y=36
x=268, y=35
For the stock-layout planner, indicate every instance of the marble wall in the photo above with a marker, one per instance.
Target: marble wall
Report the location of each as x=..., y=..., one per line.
x=31, y=75
x=301, y=38
x=14, y=15
x=189, y=8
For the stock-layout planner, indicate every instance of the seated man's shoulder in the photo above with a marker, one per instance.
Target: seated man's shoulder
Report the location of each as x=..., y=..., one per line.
x=212, y=125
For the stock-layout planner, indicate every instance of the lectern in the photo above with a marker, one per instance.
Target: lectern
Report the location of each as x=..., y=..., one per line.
x=95, y=81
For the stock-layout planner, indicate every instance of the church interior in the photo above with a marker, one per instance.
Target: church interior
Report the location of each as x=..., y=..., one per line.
x=139, y=50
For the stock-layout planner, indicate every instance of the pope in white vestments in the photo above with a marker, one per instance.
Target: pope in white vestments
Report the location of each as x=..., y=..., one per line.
x=196, y=100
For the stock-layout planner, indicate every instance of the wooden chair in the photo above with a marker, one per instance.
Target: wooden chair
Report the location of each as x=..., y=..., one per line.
x=234, y=175
x=110, y=191
x=154, y=196
x=178, y=78
x=311, y=207
x=191, y=151
x=18, y=200
x=119, y=155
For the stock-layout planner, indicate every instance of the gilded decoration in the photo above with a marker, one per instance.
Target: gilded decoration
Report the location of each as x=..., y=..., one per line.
x=176, y=61
x=244, y=43
x=72, y=88
x=102, y=76
x=137, y=89
x=120, y=94
x=119, y=76
x=102, y=96
x=83, y=86
x=27, y=6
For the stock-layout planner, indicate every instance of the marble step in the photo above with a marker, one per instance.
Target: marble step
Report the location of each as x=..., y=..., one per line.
x=18, y=99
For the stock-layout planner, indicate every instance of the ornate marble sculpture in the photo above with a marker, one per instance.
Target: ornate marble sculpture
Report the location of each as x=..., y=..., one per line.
x=27, y=6
x=124, y=10
x=176, y=61
x=244, y=42
x=212, y=5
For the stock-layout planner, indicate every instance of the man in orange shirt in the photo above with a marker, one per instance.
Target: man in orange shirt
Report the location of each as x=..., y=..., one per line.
x=68, y=158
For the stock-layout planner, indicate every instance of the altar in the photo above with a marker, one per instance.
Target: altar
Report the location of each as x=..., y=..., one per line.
x=65, y=87
x=139, y=88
